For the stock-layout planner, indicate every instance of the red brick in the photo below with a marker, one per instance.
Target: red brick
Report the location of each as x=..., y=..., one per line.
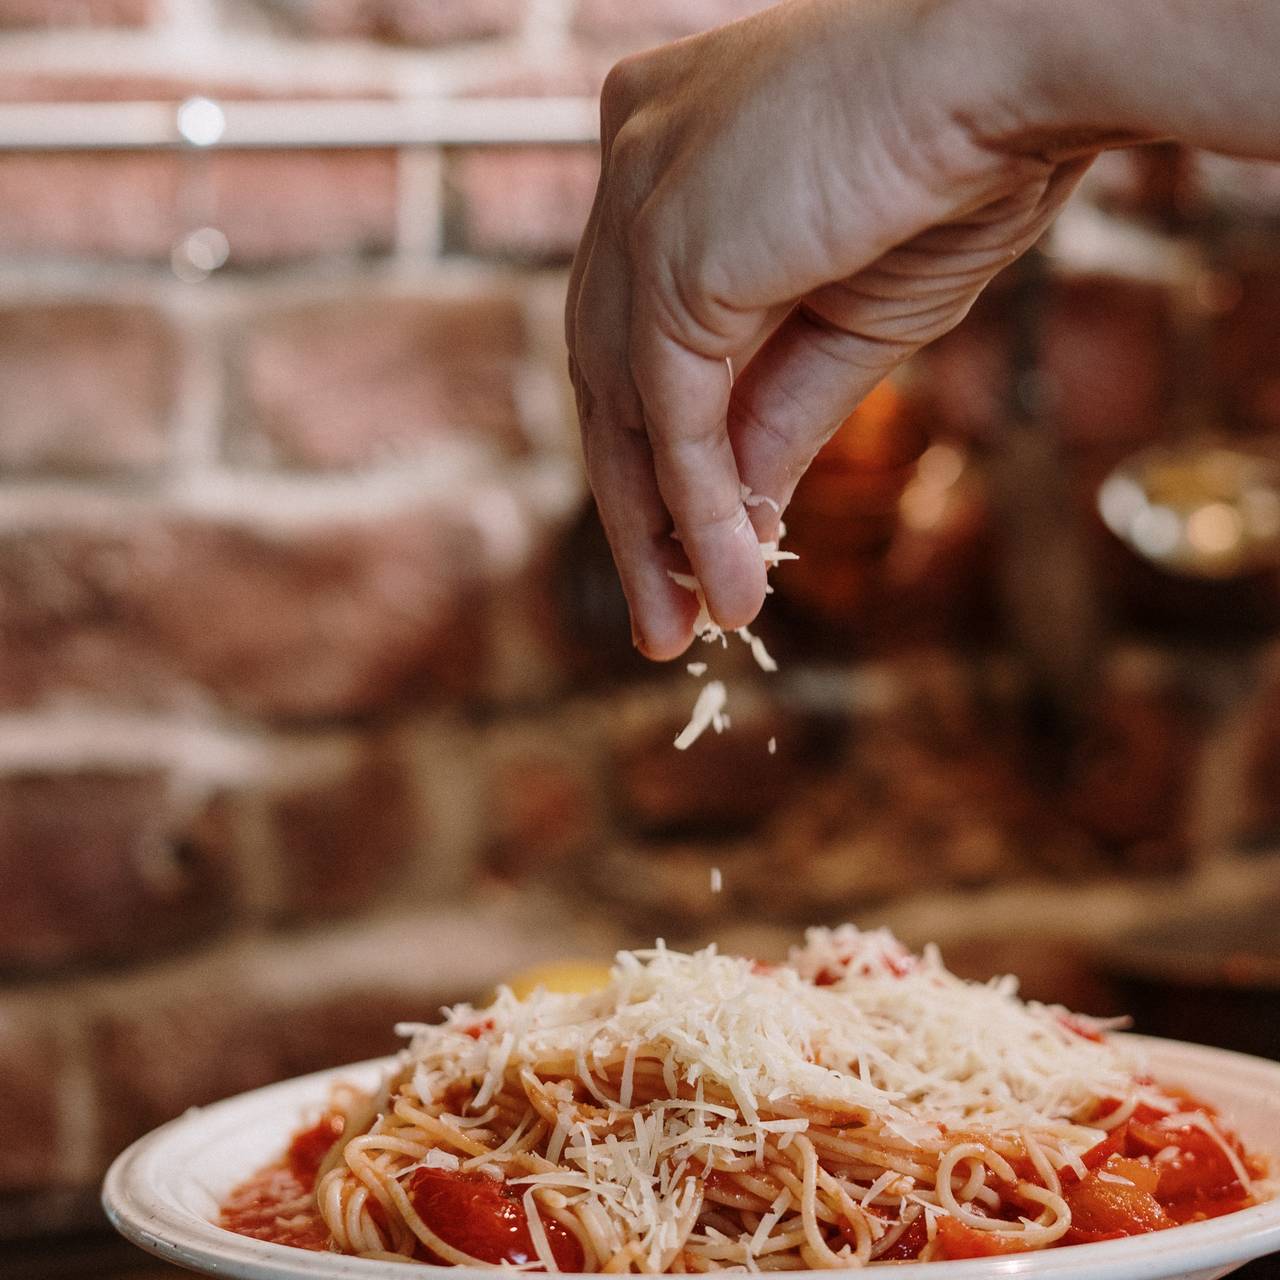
x=94, y=866
x=523, y=203
x=341, y=841
x=31, y=1062
x=636, y=25
x=346, y=383
x=157, y=1052
x=351, y=1026
x=76, y=13
x=86, y=387
x=439, y=22
x=317, y=622
x=272, y=206
x=541, y=803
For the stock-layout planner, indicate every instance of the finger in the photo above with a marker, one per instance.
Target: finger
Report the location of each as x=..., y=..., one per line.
x=845, y=338
x=685, y=397
x=620, y=464
x=638, y=528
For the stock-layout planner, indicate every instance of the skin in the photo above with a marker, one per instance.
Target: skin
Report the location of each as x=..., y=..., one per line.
x=807, y=197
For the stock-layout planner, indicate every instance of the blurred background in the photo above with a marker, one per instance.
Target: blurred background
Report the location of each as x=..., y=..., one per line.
x=317, y=702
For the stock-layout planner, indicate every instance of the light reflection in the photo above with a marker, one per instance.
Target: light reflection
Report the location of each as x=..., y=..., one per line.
x=201, y=122
x=1201, y=511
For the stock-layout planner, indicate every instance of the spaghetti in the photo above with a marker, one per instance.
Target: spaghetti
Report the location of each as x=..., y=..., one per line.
x=857, y=1105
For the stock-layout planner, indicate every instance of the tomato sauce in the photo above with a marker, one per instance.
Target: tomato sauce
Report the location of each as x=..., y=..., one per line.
x=277, y=1204
x=485, y=1218
x=471, y=1212
x=1141, y=1177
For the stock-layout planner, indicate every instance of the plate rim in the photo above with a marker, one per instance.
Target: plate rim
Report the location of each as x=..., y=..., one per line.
x=142, y=1214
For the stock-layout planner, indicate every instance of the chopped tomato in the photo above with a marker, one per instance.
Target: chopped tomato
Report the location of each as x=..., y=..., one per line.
x=485, y=1218
x=1200, y=1168
x=908, y=1245
x=1115, y=1199
x=959, y=1240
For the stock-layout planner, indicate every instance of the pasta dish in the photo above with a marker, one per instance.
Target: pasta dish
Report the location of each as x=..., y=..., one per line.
x=856, y=1105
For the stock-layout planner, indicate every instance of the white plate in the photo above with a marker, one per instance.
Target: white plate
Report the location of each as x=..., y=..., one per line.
x=164, y=1190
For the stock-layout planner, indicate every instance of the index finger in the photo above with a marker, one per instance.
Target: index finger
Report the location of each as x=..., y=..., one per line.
x=685, y=400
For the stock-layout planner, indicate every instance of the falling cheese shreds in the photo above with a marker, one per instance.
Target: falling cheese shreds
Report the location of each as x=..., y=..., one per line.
x=717, y=880
x=707, y=630
x=773, y=746
x=758, y=651
x=708, y=712
x=852, y=1023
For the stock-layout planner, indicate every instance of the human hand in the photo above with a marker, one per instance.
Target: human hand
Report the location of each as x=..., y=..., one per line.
x=807, y=195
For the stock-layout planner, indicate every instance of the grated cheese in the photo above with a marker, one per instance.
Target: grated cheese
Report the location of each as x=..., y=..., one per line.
x=708, y=712
x=709, y=631
x=888, y=1035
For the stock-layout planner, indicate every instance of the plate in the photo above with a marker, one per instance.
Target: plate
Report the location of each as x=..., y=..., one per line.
x=163, y=1192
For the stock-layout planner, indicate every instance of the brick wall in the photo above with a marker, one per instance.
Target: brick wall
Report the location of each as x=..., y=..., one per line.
x=316, y=702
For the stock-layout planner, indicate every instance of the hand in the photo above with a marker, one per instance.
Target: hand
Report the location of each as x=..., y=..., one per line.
x=806, y=197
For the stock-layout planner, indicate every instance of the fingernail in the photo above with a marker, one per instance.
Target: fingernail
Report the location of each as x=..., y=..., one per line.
x=636, y=638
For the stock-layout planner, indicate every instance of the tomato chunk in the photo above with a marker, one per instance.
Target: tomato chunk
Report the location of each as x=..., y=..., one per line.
x=908, y=1245
x=959, y=1240
x=485, y=1218
x=1115, y=1199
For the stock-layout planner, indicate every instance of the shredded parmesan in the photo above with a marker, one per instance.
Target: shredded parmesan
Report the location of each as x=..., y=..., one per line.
x=717, y=880
x=853, y=1025
x=708, y=712
x=707, y=630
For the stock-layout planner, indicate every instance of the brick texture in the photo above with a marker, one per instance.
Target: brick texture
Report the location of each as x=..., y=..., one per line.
x=438, y=22
x=725, y=784
x=530, y=205
x=541, y=802
x=31, y=1059
x=340, y=842
x=75, y=13
x=271, y=206
x=85, y=387
x=93, y=867
x=326, y=621
x=619, y=22
x=343, y=384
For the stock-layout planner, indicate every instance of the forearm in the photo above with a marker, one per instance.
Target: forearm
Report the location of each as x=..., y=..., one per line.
x=1206, y=72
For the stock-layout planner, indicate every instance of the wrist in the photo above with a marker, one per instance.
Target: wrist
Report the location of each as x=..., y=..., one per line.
x=1041, y=90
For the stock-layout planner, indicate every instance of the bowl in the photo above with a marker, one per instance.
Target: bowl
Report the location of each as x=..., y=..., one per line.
x=163, y=1192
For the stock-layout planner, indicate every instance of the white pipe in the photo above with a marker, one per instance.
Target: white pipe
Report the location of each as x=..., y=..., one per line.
x=297, y=124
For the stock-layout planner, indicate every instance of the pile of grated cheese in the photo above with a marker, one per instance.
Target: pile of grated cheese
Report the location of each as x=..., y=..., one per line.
x=853, y=1022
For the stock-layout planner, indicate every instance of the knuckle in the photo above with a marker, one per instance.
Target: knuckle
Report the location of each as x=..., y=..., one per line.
x=622, y=88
